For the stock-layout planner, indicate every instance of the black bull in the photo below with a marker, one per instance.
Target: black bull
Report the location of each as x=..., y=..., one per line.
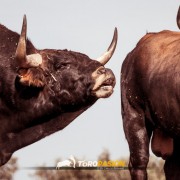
x=150, y=84
x=42, y=91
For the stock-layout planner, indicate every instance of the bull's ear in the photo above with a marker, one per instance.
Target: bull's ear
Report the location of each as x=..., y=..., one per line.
x=33, y=77
x=178, y=18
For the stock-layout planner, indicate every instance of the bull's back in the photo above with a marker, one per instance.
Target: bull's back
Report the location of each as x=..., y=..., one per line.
x=151, y=76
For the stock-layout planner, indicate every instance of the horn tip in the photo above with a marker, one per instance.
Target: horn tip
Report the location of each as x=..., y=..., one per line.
x=116, y=32
x=24, y=19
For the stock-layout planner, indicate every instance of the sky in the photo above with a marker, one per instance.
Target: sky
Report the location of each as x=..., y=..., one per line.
x=87, y=27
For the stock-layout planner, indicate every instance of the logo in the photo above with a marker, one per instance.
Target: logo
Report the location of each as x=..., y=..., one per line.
x=71, y=162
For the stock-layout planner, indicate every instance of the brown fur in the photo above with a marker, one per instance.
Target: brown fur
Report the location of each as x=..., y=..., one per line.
x=32, y=77
x=151, y=98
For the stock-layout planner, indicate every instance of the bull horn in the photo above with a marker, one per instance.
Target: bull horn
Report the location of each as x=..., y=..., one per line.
x=21, y=47
x=23, y=60
x=110, y=51
x=178, y=18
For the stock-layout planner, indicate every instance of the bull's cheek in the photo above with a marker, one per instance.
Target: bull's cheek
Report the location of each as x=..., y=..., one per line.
x=104, y=92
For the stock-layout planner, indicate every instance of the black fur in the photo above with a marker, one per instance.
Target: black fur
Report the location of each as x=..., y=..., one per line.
x=55, y=91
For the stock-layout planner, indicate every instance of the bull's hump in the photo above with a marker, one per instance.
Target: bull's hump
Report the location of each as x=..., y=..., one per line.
x=156, y=39
x=157, y=51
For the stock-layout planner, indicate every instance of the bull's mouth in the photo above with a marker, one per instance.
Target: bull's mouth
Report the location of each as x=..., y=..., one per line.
x=105, y=89
x=107, y=85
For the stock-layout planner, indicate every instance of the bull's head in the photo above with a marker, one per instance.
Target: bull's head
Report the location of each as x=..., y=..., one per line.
x=71, y=78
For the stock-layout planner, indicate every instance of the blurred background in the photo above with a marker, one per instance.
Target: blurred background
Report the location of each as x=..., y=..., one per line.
x=86, y=27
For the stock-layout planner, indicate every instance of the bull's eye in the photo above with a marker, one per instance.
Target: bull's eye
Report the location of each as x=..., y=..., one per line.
x=101, y=71
x=57, y=66
x=60, y=66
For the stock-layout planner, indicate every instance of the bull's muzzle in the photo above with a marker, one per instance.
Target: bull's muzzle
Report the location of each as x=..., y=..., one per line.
x=104, y=82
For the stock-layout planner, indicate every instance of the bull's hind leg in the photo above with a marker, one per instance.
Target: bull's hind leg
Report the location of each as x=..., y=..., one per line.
x=138, y=140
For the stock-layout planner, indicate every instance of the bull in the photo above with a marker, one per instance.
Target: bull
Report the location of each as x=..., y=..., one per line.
x=42, y=91
x=150, y=84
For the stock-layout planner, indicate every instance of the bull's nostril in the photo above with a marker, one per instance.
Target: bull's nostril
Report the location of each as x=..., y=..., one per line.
x=109, y=81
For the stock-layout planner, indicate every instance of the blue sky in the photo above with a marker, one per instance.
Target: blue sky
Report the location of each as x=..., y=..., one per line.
x=86, y=27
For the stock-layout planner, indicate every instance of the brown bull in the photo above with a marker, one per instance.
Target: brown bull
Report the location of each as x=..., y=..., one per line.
x=150, y=84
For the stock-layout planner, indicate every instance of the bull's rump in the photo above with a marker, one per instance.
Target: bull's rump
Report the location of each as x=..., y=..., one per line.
x=151, y=78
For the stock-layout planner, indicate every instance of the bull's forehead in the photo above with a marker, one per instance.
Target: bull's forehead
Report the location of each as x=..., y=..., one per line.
x=71, y=57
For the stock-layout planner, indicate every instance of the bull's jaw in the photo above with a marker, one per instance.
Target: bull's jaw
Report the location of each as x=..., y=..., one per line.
x=104, y=82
